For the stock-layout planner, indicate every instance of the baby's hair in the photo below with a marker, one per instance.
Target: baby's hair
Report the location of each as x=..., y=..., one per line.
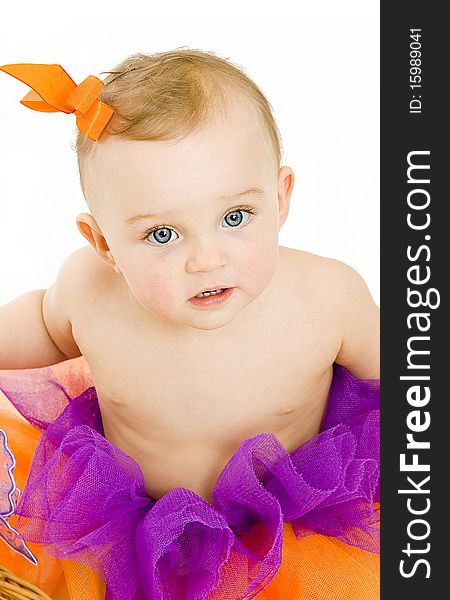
x=167, y=95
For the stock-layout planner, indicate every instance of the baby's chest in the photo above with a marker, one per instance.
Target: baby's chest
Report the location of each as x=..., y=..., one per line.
x=223, y=392
x=268, y=376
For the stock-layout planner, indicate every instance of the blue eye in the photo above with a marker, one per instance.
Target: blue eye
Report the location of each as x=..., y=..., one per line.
x=234, y=218
x=162, y=235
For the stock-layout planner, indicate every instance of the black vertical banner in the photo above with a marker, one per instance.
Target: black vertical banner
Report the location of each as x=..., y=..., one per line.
x=415, y=255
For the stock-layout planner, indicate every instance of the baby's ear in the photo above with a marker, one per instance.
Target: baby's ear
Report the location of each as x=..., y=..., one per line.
x=285, y=186
x=91, y=231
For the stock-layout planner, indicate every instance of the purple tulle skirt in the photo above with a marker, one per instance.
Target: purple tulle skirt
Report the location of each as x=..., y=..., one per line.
x=85, y=499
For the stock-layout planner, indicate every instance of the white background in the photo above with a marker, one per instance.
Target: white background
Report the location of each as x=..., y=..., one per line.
x=318, y=64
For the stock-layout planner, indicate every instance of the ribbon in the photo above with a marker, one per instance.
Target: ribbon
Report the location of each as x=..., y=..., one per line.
x=53, y=90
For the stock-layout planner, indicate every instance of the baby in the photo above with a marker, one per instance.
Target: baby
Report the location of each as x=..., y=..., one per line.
x=198, y=328
x=212, y=351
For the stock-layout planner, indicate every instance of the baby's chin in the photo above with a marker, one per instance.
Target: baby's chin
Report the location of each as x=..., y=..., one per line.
x=188, y=323
x=218, y=324
x=205, y=321
x=202, y=322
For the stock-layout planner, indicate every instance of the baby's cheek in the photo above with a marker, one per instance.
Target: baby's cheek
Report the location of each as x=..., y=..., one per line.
x=261, y=262
x=154, y=290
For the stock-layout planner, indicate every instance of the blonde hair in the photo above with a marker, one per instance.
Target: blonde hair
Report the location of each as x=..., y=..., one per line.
x=167, y=95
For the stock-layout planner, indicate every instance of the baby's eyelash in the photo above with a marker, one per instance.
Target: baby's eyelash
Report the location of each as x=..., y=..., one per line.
x=251, y=209
x=245, y=207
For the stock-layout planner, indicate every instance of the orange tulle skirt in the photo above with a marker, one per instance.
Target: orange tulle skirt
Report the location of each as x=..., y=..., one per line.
x=315, y=567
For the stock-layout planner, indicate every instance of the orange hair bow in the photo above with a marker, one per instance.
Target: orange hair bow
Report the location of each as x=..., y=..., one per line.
x=54, y=91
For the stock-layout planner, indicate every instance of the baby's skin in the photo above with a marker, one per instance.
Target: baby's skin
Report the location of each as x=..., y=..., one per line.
x=182, y=384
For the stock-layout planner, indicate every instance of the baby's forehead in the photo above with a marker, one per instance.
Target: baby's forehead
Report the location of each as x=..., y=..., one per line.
x=222, y=145
x=229, y=131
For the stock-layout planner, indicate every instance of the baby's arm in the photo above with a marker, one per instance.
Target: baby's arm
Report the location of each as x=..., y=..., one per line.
x=35, y=330
x=360, y=346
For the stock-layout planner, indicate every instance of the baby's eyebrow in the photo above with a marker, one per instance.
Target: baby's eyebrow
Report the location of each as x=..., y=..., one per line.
x=253, y=191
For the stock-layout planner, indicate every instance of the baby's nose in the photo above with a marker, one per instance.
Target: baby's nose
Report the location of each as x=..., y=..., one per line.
x=206, y=255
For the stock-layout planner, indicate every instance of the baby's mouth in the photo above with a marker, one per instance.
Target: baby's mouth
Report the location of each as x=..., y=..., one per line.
x=207, y=293
x=213, y=297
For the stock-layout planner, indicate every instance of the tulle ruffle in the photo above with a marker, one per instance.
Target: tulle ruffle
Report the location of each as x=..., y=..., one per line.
x=85, y=499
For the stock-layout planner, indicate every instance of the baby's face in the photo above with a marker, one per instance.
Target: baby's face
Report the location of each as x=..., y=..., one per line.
x=195, y=214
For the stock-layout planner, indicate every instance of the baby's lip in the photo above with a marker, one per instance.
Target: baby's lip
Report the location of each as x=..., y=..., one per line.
x=210, y=289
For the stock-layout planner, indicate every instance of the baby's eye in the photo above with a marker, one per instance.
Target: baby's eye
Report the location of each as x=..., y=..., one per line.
x=235, y=217
x=162, y=235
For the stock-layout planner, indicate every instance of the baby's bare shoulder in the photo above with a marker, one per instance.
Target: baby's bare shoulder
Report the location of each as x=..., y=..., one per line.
x=337, y=297
x=81, y=278
x=320, y=276
x=64, y=301
x=85, y=269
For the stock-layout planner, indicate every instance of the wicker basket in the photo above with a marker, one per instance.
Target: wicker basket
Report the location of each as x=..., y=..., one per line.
x=13, y=587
